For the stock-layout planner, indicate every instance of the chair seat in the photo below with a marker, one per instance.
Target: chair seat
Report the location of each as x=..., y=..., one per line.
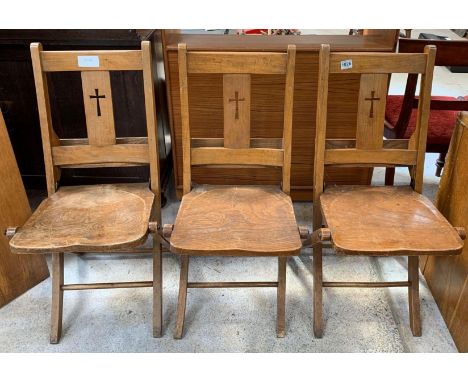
x=441, y=122
x=386, y=221
x=236, y=220
x=86, y=219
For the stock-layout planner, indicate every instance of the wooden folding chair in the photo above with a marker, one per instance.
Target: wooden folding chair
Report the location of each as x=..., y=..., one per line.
x=236, y=220
x=95, y=218
x=370, y=220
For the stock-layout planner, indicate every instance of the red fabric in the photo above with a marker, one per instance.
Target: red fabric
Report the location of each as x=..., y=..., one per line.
x=441, y=122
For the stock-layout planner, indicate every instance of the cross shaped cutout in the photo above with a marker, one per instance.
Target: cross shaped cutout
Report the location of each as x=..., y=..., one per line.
x=237, y=100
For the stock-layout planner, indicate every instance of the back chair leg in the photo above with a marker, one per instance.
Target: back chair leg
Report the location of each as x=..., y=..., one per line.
x=413, y=295
x=180, y=316
x=389, y=176
x=317, y=272
x=57, y=298
x=157, y=287
x=440, y=163
x=281, y=297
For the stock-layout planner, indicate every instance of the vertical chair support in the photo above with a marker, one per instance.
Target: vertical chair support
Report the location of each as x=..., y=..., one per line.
x=317, y=274
x=413, y=295
x=281, y=297
x=57, y=298
x=157, y=286
x=182, y=301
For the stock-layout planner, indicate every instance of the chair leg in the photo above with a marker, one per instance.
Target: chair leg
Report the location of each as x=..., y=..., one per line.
x=413, y=295
x=57, y=298
x=180, y=316
x=440, y=163
x=389, y=176
x=317, y=271
x=281, y=297
x=157, y=287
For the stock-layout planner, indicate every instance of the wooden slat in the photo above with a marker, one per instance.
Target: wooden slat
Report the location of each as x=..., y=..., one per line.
x=151, y=126
x=49, y=138
x=371, y=157
x=127, y=284
x=214, y=155
x=184, y=113
x=236, y=97
x=233, y=284
x=371, y=111
x=79, y=155
x=379, y=62
x=364, y=284
x=55, y=61
x=271, y=143
x=320, y=138
x=287, y=119
x=351, y=143
x=85, y=141
x=97, y=98
x=236, y=62
x=419, y=137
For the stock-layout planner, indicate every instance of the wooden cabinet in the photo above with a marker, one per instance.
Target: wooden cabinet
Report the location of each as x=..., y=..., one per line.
x=18, y=100
x=267, y=102
x=447, y=277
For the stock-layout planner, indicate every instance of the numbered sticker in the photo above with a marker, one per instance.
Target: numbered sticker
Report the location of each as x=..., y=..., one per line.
x=346, y=64
x=88, y=61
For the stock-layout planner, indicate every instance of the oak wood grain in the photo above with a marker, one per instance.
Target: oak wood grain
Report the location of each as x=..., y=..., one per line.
x=236, y=220
x=86, y=219
x=397, y=221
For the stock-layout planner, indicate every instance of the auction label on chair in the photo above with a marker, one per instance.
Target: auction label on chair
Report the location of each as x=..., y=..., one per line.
x=346, y=64
x=88, y=61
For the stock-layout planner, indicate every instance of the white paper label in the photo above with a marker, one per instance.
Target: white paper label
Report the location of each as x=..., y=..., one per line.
x=346, y=64
x=88, y=61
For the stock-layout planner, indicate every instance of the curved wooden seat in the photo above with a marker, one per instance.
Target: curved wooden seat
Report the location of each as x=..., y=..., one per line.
x=236, y=220
x=386, y=221
x=87, y=218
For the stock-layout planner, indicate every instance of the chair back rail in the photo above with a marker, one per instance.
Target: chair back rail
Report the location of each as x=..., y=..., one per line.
x=237, y=148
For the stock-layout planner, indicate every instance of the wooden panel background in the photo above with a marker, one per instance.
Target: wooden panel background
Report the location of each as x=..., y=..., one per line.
x=18, y=273
x=267, y=97
x=447, y=277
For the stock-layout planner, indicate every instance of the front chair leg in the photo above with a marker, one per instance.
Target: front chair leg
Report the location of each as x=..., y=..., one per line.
x=317, y=272
x=57, y=298
x=180, y=316
x=157, y=287
x=281, y=297
x=413, y=295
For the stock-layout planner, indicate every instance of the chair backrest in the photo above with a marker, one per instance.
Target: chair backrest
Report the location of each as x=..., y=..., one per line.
x=237, y=148
x=101, y=148
x=449, y=53
x=369, y=148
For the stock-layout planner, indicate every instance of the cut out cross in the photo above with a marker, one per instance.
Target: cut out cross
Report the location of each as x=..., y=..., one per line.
x=372, y=99
x=237, y=99
x=97, y=96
